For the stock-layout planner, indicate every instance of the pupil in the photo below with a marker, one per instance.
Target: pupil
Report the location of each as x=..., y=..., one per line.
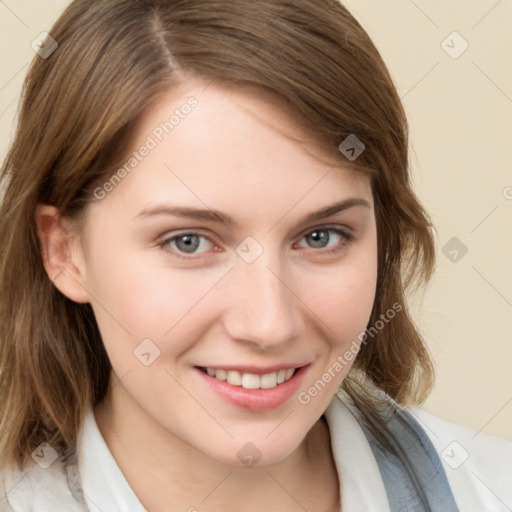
x=319, y=238
x=188, y=243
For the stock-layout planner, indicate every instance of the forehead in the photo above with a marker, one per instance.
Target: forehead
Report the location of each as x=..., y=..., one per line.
x=235, y=150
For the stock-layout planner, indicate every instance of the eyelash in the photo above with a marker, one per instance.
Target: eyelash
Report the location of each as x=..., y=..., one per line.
x=346, y=238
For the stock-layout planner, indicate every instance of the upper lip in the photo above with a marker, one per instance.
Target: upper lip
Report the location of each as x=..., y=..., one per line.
x=256, y=370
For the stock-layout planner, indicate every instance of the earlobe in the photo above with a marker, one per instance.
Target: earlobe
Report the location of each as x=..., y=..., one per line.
x=61, y=254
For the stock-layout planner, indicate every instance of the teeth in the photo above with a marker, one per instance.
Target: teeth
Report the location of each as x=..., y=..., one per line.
x=269, y=380
x=234, y=378
x=219, y=374
x=250, y=380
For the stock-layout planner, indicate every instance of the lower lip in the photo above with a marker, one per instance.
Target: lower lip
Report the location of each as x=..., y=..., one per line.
x=255, y=399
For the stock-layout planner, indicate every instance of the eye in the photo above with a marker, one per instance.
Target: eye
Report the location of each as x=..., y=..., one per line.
x=188, y=243
x=327, y=237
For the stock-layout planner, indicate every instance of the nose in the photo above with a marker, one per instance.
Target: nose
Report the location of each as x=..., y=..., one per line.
x=262, y=308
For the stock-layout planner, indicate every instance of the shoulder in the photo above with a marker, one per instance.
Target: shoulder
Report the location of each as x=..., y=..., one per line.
x=478, y=466
x=36, y=489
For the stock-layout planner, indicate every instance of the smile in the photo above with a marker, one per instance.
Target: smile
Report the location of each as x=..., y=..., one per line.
x=251, y=380
x=252, y=388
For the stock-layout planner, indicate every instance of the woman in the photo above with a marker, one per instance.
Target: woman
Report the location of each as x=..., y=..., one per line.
x=204, y=294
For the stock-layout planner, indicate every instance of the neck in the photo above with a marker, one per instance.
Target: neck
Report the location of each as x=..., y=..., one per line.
x=163, y=470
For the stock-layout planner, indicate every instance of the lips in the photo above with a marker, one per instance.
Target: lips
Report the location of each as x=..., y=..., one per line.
x=253, y=389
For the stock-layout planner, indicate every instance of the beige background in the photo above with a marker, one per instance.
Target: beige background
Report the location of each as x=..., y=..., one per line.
x=460, y=114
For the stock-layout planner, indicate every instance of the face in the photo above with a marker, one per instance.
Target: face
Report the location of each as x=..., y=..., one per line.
x=224, y=302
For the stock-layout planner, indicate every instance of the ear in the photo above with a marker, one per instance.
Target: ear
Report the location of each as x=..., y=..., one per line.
x=62, y=254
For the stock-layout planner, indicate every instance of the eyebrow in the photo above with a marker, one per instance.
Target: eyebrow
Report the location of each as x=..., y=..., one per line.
x=216, y=216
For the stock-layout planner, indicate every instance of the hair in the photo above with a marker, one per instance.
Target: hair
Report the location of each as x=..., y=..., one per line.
x=77, y=111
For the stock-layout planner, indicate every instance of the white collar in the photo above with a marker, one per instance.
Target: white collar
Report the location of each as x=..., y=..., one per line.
x=103, y=483
x=361, y=487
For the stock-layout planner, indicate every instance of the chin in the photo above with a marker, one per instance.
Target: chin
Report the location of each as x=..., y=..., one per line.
x=257, y=446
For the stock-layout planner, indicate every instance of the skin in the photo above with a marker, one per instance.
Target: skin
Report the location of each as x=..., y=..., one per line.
x=174, y=439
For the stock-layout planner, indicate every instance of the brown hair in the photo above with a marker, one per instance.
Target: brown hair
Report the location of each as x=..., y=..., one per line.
x=78, y=108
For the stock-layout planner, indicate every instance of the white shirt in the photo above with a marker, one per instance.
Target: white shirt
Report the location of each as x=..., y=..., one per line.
x=478, y=468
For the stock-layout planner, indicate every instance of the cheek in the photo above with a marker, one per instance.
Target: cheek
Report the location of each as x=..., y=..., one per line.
x=344, y=302
x=343, y=298
x=136, y=299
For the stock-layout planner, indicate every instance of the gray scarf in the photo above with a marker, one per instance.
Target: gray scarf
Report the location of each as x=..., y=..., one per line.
x=410, y=467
